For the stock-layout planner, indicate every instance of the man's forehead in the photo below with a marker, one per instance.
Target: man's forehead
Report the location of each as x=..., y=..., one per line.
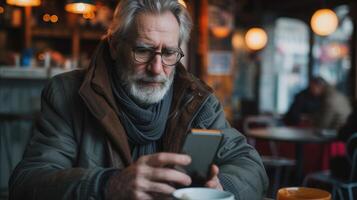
x=151, y=28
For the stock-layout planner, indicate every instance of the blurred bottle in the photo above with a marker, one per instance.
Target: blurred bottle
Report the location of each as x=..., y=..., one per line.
x=47, y=59
x=16, y=18
x=26, y=57
x=17, y=62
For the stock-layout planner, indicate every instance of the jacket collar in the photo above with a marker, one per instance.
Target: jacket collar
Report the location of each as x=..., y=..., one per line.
x=97, y=94
x=189, y=96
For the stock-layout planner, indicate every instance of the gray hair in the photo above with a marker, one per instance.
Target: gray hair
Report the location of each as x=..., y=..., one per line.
x=127, y=10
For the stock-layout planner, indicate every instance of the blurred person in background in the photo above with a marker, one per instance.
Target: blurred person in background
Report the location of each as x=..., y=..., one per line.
x=112, y=131
x=320, y=106
x=305, y=103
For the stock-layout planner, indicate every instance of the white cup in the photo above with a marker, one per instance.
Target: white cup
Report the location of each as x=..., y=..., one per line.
x=199, y=193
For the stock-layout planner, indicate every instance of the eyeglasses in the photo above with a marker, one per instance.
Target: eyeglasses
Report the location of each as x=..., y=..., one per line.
x=169, y=57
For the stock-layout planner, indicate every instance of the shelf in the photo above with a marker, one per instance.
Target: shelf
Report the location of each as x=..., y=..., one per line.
x=65, y=33
x=92, y=35
x=10, y=72
x=51, y=33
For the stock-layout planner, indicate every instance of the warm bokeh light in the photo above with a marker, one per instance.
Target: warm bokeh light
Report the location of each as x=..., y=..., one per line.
x=41, y=56
x=324, y=22
x=24, y=2
x=2, y=10
x=46, y=17
x=238, y=40
x=256, y=38
x=221, y=31
x=54, y=18
x=182, y=2
x=80, y=8
x=89, y=15
x=336, y=50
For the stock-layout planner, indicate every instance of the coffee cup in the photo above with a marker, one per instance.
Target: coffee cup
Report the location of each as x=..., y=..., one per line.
x=302, y=193
x=199, y=193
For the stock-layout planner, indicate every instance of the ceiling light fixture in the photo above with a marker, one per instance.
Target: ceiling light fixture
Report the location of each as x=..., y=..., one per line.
x=324, y=22
x=24, y=3
x=80, y=6
x=256, y=38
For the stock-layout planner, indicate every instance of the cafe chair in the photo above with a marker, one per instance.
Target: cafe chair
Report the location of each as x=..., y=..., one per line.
x=273, y=161
x=338, y=185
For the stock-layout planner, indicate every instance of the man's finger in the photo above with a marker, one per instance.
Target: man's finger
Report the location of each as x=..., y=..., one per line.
x=214, y=171
x=211, y=184
x=142, y=196
x=162, y=159
x=162, y=188
x=214, y=183
x=169, y=175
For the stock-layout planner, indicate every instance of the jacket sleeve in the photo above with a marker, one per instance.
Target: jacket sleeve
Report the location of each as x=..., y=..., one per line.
x=47, y=170
x=241, y=168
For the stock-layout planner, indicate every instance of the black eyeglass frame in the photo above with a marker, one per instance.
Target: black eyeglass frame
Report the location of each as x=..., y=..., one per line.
x=154, y=53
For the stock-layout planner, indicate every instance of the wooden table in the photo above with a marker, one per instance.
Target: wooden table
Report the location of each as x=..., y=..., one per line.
x=298, y=136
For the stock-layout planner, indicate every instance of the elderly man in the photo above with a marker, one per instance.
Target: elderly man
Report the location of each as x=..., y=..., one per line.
x=112, y=130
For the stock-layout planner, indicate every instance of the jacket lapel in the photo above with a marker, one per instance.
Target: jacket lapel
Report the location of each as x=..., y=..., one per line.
x=189, y=95
x=97, y=95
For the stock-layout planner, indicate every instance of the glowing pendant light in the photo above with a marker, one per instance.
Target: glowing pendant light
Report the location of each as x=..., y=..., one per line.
x=221, y=31
x=237, y=40
x=256, y=38
x=24, y=3
x=80, y=6
x=324, y=22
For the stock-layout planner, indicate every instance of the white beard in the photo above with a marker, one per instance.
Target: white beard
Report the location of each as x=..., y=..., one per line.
x=145, y=94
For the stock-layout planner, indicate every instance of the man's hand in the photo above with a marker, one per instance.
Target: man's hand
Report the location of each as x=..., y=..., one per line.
x=213, y=182
x=148, y=177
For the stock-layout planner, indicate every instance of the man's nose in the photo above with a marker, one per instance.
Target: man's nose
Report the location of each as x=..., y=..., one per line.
x=155, y=66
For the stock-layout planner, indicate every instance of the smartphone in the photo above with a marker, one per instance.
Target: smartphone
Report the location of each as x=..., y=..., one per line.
x=202, y=146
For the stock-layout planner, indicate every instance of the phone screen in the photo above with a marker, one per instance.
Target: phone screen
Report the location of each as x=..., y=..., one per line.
x=202, y=146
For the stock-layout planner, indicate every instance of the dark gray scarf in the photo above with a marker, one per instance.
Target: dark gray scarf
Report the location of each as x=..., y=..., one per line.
x=144, y=126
